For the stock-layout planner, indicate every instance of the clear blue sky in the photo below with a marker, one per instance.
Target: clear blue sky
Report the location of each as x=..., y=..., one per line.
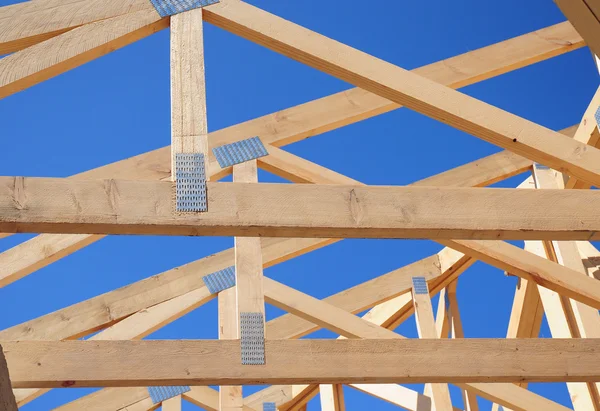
x=118, y=106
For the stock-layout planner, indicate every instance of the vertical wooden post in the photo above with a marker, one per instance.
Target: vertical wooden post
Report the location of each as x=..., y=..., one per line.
x=230, y=397
x=7, y=398
x=189, y=130
x=172, y=404
x=426, y=329
x=332, y=397
x=248, y=256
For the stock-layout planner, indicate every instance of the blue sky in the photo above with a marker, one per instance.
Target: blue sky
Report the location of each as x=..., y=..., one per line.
x=118, y=106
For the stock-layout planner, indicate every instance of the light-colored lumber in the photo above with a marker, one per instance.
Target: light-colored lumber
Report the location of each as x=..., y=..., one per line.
x=397, y=395
x=469, y=398
x=332, y=397
x=442, y=325
x=204, y=397
x=189, y=129
x=7, y=399
x=587, y=132
x=278, y=394
x=99, y=312
x=343, y=108
x=107, y=399
x=172, y=404
x=47, y=364
x=579, y=12
x=403, y=87
x=287, y=210
x=139, y=325
x=527, y=312
x=426, y=329
x=524, y=264
x=28, y=23
x=248, y=258
x=52, y=57
x=230, y=396
x=562, y=324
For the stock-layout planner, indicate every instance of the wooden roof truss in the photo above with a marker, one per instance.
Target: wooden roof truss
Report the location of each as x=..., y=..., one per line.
x=273, y=223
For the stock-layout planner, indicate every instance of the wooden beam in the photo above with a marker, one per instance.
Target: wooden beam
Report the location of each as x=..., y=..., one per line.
x=397, y=395
x=322, y=115
x=189, y=129
x=278, y=394
x=66, y=51
x=426, y=329
x=25, y=24
x=403, y=87
x=332, y=397
x=469, y=397
x=172, y=404
x=108, y=399
x=563, y=325
x=580, y=13
x=230, y=397
x=134, y=207
x=248, y=258
x=7, y=399
x=49, y=364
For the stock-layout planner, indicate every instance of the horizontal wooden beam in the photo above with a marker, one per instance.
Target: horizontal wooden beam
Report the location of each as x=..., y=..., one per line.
x=413, y=91
x=283, y=210
x=133, y=363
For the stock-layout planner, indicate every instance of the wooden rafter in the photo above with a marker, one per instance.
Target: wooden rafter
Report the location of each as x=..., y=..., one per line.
x=50, y=37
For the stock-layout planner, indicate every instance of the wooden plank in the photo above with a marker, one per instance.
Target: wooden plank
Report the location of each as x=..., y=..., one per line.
x=403, y=87
x=332, y=397
x=426, y=329
x=48, y=364
x=107, y=399
x=52, y=57
x=397, y=395
x=204, y=397
x=7, y=399
x=248, y=258
x=172, y=404
x=278, y=394
x=584, y=20
x=25, y=24
x=134, y=207
x=469, y=397
x=524, y=264
x=230, y=397
x=347, y=107
x=189, y=129
x=563, y=325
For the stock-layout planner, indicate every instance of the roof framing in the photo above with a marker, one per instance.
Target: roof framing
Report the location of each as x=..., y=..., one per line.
x=135, y=196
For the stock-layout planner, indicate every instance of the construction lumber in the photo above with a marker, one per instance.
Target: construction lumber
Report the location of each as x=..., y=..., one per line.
x=52, y=364
x=7, y=399
x=230, y=396
x=283, y=210
x=108, y=399
x=426, y=329
x=409, y=89
x=172, y=404
x=29, y=23
x=189, y=128
x=584, y=16
x=332, y=397
x=317, y=117
x=66, y=51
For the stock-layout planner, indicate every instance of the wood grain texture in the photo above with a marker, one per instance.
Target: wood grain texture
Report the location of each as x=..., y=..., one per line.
x=104, y=310
x=283, y=210
x=580, y=14
x=426, y=329
x=7, y=399
x=332, y=397
x=107, y=399
x=230, y=397
x=28, y=23
x=189, y=128
x=52, y=57
x=416, y=92
x=50, y=364
x=335, y=111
